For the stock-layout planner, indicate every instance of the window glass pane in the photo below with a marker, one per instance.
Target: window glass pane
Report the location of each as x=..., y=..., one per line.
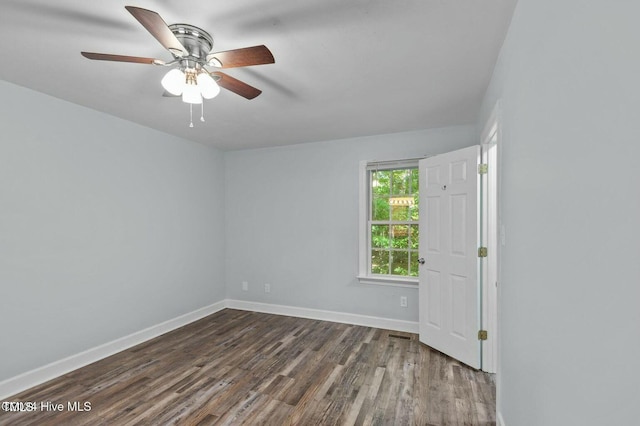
x=414, y=209
x=380, y=182
x=400, y=262
x=380, y=207
x=400, y=236
x=380, y=236
x=380, y=262
x=413, y=264
x=415, y=179
x=400, y=213
x=400, y=181
x=414, y=236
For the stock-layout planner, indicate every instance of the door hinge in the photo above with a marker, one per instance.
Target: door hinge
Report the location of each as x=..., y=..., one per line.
x=482, y=335
x=482, y=252
x=483, y=168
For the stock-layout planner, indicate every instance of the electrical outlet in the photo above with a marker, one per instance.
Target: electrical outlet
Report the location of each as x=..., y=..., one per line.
x=245, y=286
x=403, y=301
x=267, y=288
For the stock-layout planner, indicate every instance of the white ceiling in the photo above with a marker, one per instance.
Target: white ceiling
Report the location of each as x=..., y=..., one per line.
x=343, y=68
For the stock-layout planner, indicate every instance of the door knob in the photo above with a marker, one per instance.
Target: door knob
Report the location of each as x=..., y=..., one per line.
x=421, y=261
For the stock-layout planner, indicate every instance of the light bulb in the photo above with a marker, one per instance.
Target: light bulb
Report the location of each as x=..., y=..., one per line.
x=173, y=82
x=191, y=94
x=208, y=86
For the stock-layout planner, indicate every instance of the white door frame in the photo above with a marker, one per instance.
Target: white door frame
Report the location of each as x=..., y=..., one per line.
x=491, y=238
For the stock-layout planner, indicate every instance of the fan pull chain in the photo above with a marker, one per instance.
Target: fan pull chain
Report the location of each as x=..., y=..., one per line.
x=202, y=111
x=190, y=115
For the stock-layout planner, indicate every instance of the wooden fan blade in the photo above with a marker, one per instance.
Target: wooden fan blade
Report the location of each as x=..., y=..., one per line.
x=121, y=58
x=159, y=29
x=255, y=55
x=236, y=86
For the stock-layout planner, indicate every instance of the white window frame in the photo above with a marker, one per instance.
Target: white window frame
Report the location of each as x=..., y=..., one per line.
x=364, y=243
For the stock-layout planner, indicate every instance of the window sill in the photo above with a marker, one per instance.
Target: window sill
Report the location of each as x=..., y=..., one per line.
x=389, y=281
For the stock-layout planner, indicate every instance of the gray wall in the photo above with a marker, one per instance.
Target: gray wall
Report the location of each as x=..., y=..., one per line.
x=568, y=76
x=106, y=228
x=292, y=221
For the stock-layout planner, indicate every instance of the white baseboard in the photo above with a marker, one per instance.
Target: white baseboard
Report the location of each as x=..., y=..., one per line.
x=500, y=420
x=47, y=372
x=342, y=317
x=55, y=369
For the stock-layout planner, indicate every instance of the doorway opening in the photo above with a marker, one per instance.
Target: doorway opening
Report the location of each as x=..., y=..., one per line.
x=491, y=237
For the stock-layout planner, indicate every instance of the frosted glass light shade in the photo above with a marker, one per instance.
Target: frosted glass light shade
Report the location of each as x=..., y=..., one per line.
x=208, y=87
x=173, y=82
x=191, y=94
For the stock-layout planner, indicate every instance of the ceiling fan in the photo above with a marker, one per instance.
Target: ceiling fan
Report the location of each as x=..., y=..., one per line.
x=191, y=48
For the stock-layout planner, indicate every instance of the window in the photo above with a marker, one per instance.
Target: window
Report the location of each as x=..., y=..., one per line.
x=389, y=222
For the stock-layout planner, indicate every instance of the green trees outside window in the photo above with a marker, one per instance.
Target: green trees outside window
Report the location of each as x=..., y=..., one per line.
x=393, y=221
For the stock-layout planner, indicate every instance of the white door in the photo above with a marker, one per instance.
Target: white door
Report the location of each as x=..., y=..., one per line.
x=449, y=233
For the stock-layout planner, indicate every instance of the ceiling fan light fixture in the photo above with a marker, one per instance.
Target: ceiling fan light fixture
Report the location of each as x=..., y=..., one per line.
x=207, y=85
x=174, y=82
x=191, y=94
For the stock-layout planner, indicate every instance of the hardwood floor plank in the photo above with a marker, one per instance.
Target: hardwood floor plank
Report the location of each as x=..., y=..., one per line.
x=239, y=367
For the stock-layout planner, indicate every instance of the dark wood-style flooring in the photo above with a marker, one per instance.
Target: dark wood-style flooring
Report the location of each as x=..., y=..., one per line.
x=238, y=367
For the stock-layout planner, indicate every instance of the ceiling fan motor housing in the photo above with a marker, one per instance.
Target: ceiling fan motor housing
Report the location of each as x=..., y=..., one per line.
x=195, y=40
